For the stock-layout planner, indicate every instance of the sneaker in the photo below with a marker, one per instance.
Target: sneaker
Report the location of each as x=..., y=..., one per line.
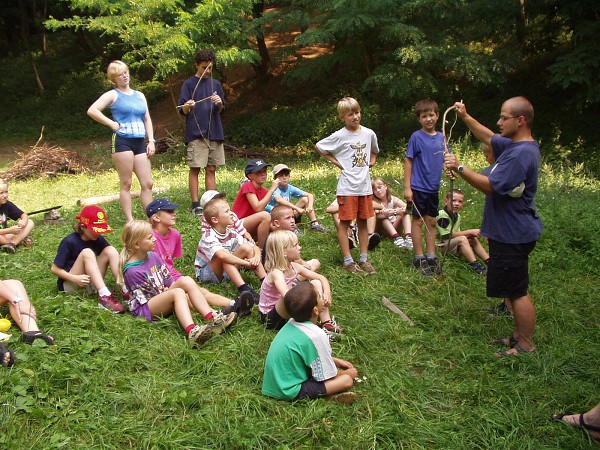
x=422, y=266
x=318, y=227
x=222, y=322
x=345, y=398
x=332, y=326
x=9, y=248
x=374, y=241
x=200, y=334
x=330, y=335
x=110, y=303
x=255, y=296
x=434, y=265
x=196, y=211
x=243, y=304
x=353, y=268
x=297, y=232
x=399, y=242
x=368, y=268
x=479, y=269
x=408, y=242
x=352, y=238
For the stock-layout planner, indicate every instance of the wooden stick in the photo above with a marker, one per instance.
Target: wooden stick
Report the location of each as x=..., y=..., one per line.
x=393, y=308
x=110, y=198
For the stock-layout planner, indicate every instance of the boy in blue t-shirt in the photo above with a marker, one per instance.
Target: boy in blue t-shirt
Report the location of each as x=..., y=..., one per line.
x=285, y=193
x=299, y=363
x=422, y=172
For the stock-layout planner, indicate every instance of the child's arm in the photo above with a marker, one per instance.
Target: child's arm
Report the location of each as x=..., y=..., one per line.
x=80, y=280
x=278, y=280
x=372, y=159
x=23, y=220
x=342, y=363
x=10, y=230
x=408, y=194
x=260, y=205
x=225, y=256
x=282, y=201
x=473, y=232
x=399, y=206
x=329, y=158
x=310, y=275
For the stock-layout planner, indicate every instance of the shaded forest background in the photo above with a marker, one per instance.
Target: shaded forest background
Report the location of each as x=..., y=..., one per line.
x=285, y=63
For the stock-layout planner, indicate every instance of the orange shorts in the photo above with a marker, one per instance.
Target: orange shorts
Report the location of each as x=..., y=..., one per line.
x=355, y=207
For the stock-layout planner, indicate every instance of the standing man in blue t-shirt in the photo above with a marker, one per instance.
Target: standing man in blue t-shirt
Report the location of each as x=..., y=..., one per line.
x=510, y=219
x=202, y=101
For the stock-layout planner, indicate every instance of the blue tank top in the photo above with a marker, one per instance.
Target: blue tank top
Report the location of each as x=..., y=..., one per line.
x=129, y=112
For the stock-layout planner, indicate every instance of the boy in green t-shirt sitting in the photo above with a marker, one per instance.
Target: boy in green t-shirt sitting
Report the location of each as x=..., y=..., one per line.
x=302, y=347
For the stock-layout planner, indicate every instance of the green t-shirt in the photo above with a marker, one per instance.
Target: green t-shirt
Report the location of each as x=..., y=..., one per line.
x=444, y=224
x=300, y=350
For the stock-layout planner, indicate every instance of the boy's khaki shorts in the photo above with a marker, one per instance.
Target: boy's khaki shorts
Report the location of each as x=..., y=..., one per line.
x=355, y=207
x=450, y=246
x=199, y=154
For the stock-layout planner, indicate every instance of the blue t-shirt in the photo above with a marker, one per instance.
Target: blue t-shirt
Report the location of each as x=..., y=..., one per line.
x=70, y=248
x=129, y=111
x=427, y=154
x=506, y=219
x=288, y=194
x=204, y=114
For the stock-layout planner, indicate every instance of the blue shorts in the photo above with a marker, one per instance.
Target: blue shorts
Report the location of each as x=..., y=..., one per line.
x=312, y=388
x=425, y=204
x=125, y=144
x=206, y=275
x=508, y=269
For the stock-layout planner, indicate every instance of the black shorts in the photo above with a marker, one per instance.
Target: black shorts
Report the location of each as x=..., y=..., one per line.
x=125, y=144
x=272, y=320
x=425, y=204
x=312, y=388
x=508, y=269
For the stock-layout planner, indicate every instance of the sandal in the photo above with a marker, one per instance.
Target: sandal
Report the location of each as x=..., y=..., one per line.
x=27, y=242
x=518, y=351
x=29, y=336
x=9, y=248
x=582, y=424
x=506, y=342
x=11, y=356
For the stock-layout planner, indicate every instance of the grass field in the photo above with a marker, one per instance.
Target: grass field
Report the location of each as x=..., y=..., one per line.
x=117, y=382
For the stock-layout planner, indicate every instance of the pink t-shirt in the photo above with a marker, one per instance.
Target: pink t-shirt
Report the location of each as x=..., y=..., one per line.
x=270, y=295
x=169, y=247
x=241, y=205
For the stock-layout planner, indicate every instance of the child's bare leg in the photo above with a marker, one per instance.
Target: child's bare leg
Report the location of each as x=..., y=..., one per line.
x=171, y=300
x=430, y=231
x=109, y=258
x=194, y=294
x=387, y=226
x=478, y=249
x=371, y=223
x=417, y=237
x=343, y=381
x=258, y=225
x=524, y=314
x=23, y=313
x=87, y=264
x=406, y=224
x=465, y=249
x=215, y=299
x=6, y=238
x=342, y=233
x=363, y=234
x=18, y=238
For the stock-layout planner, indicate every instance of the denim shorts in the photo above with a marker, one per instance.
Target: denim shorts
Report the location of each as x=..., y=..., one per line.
x=206, y=275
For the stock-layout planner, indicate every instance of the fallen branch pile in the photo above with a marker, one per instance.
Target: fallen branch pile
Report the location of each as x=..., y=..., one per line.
x=44, y=160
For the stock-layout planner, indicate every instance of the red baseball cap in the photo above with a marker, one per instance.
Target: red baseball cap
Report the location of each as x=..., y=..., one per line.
x=94, y=218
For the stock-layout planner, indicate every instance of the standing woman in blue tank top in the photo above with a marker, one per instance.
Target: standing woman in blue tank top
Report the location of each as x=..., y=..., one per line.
x=130, y=124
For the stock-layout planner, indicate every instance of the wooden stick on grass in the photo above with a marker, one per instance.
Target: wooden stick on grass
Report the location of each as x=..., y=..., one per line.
x=393, y=308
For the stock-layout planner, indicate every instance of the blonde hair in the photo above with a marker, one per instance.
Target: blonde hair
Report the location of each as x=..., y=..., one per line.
x=211, y=209
x=346, y=105
x=133, y=232
x=2, y=182
x=115, y=68
x=388, y=194
x=277, y=243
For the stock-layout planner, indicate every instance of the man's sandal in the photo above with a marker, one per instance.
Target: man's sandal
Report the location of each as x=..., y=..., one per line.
x=29, y=336
x=518, y=350
x=582, y=424
x=506, y=342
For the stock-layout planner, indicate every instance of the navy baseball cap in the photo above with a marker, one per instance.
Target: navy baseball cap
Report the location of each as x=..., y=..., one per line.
x=160, y=204
x=255, y=165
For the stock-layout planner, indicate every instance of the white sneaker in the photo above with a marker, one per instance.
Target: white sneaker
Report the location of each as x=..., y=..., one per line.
x=398, y=241
x=408, y=242
x=200, y=334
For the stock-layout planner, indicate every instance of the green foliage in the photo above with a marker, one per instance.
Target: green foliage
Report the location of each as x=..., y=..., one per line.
x=118, y=382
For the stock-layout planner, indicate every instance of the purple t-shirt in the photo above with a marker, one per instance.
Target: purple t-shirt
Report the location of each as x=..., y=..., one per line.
x=427, y=154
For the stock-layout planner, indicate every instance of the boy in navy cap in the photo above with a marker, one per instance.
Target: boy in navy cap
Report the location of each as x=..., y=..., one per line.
x=251, y=203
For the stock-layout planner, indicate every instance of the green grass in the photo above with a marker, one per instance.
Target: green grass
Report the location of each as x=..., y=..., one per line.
x=116, y=382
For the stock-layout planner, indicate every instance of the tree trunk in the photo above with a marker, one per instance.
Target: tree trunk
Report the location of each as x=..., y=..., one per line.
x=25, y=37
x=262, y=69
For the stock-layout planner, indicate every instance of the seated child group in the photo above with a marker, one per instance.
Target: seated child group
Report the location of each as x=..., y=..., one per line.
x=259, y=234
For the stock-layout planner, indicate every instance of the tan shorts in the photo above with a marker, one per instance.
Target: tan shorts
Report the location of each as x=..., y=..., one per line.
x=355, y=207
x=199, y=154
x=452, y=245
x=71, y=288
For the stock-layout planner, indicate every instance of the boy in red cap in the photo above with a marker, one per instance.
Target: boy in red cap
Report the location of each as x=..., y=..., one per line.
x=84, y=256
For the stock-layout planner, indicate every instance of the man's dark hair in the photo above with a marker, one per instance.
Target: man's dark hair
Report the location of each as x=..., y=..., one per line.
x=300, y=300
x=205, y=55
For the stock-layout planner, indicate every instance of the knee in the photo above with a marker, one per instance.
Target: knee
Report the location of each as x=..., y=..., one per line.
x=126, y=184
x=347, y=381
x=146, y=185
x=111, y=252
x=210, y=170
x=87, y=254
x=265, y=216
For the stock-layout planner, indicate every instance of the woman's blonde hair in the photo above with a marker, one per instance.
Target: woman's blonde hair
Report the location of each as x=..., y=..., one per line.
x=277, y=243
x=388, y=194
x=133, y=232
x=115, y=68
